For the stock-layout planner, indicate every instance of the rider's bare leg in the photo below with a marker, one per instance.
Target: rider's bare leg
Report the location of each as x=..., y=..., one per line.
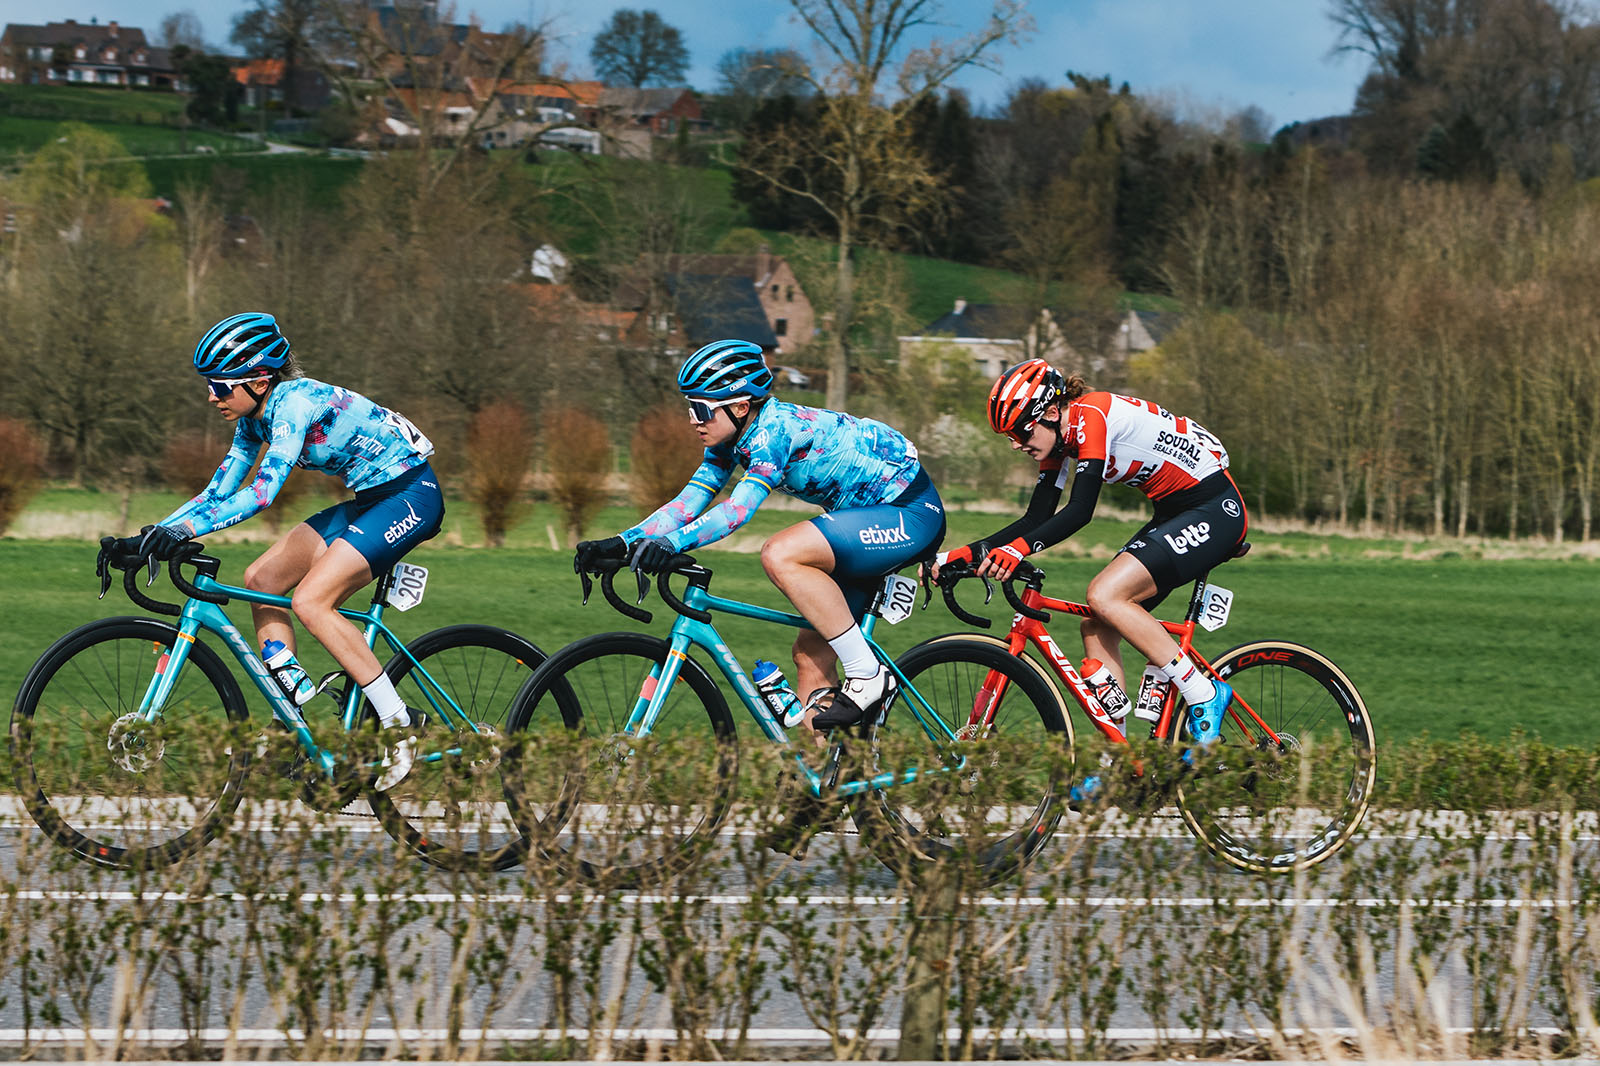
x=800, y=561
x=338, y=573
x=277, y=570
x=1115, y=596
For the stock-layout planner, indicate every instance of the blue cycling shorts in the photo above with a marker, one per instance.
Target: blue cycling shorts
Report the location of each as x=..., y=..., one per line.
x=869, y=542
x=388, y=520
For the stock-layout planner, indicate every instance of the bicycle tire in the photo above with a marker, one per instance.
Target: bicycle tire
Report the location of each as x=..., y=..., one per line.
x=78, y=700
x=1301, y=805
x=995, y=835
x=623, y=813
x=453, y=812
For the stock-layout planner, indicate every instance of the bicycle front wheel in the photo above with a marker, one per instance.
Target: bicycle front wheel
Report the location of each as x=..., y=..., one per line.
x=451, y=809
x=1277, y=807
x=617, y=808
x=103, y=782
x=991, y=796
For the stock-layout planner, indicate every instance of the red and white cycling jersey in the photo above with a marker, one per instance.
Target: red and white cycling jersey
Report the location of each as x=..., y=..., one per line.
x=1143, y=444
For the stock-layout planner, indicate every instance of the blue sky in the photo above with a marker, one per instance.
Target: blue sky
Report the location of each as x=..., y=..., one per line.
x=1204, y=54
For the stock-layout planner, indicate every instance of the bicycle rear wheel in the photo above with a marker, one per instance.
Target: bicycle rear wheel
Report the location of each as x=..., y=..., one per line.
x=616, y=809
x=451, y=809
x=109, y=786
x=991, y=798
x=1275, y=808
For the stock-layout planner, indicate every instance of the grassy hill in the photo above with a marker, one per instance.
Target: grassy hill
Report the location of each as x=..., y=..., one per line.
x=592, y=203
x=71, y=103
x=20, y=136
x=147, y=123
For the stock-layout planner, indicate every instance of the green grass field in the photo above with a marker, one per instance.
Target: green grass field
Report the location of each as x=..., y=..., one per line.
x=83, y=103
x=19, y=136
x=1438, y=641
x=320, y=177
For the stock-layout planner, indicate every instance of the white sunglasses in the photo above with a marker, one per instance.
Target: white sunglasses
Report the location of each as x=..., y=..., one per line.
x=702, y=411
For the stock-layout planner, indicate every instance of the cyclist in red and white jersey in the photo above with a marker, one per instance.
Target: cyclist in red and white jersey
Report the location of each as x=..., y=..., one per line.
x=1200, y=519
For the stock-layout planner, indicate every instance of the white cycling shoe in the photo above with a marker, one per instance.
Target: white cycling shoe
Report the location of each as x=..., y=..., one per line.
x=854, y=701
x=400, y=755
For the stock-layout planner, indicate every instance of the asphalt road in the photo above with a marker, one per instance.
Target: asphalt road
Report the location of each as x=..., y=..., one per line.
x=853, y=906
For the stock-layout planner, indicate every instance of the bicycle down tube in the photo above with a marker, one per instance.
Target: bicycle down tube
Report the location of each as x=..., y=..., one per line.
x=1026, y=630
x=689, y=632
x=198, y=614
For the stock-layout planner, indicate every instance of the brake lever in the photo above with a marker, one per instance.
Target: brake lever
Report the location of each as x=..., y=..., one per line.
x=155, y=568
x=927, y=586
x=644, y=585
x=988, y=590
x=105, y=580
x=588, y=585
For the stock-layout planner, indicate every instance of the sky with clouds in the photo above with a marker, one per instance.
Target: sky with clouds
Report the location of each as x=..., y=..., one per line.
x=1204, y=55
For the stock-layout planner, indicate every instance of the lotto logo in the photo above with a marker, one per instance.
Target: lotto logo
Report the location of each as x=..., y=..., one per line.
x=1191, y=536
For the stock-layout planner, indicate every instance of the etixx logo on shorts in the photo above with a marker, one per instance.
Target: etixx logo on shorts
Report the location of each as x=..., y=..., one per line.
x=884, y=535
x=403, y=526
x=1190, y=536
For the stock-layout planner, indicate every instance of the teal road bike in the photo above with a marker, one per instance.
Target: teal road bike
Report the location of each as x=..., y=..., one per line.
x=131, y=738
x=658, y=770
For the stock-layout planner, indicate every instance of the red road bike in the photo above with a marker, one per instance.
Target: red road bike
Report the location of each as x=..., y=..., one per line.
x=1290, y=780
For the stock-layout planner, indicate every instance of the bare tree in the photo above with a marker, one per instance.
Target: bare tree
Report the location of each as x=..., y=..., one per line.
x=181, y=27
x=747, y=78
x=866, y=174
x=637, y=48
x=445, y=82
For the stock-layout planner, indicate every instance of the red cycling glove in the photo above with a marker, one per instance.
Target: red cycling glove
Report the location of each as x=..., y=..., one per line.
x=962, y=554
x=1004, y=559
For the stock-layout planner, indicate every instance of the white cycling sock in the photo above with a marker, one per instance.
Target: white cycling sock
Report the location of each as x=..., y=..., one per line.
x=855, y=654
x=1194, y=686
x=385, y=700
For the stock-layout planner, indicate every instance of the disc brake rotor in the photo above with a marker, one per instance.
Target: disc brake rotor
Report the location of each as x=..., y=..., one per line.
x=131, y=743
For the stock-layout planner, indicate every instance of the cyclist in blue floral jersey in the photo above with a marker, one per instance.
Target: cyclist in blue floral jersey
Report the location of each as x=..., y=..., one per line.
x=290, y=420
x=880, y=512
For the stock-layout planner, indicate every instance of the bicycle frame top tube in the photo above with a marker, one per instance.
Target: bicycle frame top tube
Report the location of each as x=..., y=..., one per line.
x=687, y=632
x=1026, y=631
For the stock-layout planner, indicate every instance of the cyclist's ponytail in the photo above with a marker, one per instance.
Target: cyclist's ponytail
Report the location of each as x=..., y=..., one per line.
x=1073, y=387
x=290, y=369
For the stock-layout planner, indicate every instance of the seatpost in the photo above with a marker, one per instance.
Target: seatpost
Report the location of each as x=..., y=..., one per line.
x=380, y=592
x=1197, y=600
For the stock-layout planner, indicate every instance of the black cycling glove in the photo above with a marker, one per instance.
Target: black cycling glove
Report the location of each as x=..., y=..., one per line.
x=160, y=542
x=652, y=555
x=591, y=553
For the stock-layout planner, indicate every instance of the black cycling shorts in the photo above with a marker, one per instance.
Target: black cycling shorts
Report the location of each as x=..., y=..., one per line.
x=1179, y=544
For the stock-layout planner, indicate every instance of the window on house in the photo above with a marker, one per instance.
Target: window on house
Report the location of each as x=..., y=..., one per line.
x=780, y=326
x=78, y=53
x=788, y=294
x=774, y=292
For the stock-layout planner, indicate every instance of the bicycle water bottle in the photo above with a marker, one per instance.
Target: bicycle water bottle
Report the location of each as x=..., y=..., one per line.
x=1097, y=675
x=291, y=677
x=1152, y=694
x=775, y=690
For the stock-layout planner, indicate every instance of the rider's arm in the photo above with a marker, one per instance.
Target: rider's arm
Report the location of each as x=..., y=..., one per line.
x=286, y=439
x=703, y=486
x=1046, y=494
x=1076, y=514
x=763, y=473
x=225, y=482
x=725, y=517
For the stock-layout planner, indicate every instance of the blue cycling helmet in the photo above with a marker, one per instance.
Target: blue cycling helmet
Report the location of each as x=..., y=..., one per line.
x=723, y=369
x=240, y=345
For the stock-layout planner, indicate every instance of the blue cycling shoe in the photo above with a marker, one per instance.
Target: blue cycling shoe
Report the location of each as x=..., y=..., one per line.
x=1088, y=792
x=1205, y=719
